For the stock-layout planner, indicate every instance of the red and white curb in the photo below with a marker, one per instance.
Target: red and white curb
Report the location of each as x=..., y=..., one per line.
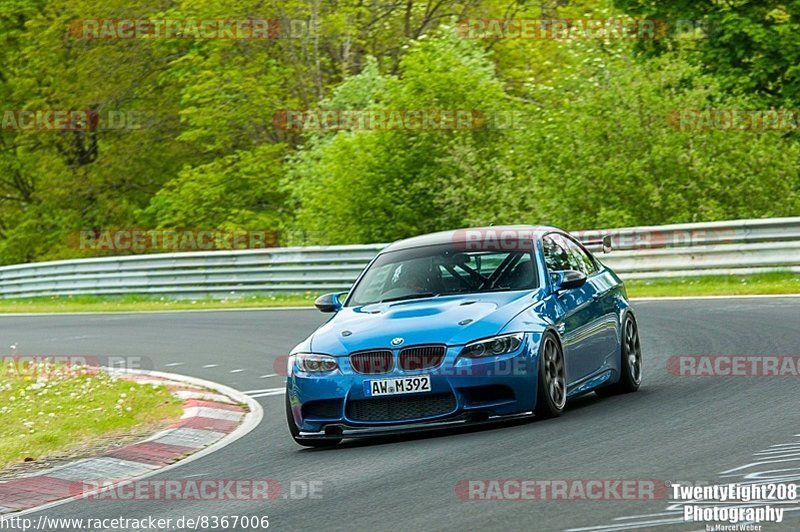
x=212, y=419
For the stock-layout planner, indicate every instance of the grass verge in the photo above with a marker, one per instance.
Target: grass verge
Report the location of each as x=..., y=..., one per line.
x=50, y=409
x=718, y=285
x=134, y=303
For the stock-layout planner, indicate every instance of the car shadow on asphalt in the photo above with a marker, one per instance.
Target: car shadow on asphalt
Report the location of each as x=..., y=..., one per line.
x=578, y=403
x=428, y=434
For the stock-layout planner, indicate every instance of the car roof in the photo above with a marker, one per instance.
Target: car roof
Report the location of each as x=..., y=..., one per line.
x=463, y=235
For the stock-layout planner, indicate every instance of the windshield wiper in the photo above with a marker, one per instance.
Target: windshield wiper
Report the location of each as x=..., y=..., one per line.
x=409, y=296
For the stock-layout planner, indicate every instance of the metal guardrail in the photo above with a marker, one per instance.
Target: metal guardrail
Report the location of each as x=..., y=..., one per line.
x=713, y=248
x=734, y=247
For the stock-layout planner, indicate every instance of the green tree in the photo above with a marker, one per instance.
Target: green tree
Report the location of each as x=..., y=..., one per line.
x=377, y=185
x=752, y=47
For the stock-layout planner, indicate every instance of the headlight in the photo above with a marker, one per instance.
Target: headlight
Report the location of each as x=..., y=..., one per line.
x=313, y=363
x=499, y=345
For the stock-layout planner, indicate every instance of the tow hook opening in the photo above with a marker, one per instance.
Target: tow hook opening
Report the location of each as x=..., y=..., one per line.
x=478, y=417
x=333, y=430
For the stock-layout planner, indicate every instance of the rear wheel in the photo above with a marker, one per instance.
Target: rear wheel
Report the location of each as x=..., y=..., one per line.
x=551, y=395
x=295, y=432
x=630, y=362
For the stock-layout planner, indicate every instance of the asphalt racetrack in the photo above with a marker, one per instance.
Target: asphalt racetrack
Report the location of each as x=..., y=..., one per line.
x=676, y=428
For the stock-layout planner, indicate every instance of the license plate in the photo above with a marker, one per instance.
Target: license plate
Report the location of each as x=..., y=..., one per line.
x=397, y=386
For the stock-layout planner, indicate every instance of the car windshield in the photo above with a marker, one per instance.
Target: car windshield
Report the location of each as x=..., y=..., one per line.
x=442, y=270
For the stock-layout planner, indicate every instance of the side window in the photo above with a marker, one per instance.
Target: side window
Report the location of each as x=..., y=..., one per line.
x=579, y=259
x=556, y=256
x=489, y=263
x=449, y=281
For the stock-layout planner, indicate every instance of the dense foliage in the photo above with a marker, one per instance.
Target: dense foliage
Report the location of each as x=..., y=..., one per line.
x=577, y=132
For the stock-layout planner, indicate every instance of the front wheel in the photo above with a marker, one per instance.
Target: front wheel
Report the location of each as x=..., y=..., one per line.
x=551, y=394
x=630, y=362
x=295, y=432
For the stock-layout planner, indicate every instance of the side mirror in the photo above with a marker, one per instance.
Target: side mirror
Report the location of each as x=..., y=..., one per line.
x=567, y=280
x=607, y=244
x=329, y=302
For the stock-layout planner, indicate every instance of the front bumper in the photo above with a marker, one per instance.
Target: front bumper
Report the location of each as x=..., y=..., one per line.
x=467, y=391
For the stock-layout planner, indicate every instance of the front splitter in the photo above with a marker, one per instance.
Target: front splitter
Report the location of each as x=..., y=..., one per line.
x=337, y=431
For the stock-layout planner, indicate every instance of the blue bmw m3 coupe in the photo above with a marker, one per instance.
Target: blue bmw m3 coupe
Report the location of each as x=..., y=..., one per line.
x=466, y=326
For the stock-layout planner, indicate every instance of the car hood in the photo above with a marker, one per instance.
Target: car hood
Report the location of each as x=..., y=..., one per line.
x=451, y=320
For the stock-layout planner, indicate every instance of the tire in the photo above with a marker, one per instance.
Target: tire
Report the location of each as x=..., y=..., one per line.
x=551, y=393
x=630, y=361
x=295, y=432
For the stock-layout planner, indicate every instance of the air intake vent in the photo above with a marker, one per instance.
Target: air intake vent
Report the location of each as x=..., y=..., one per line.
x=422, y=357
x=372, y=362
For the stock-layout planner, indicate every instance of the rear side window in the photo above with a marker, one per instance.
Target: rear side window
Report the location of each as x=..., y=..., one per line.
x=562, y=253
x=556, y=256
x=579, y=258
